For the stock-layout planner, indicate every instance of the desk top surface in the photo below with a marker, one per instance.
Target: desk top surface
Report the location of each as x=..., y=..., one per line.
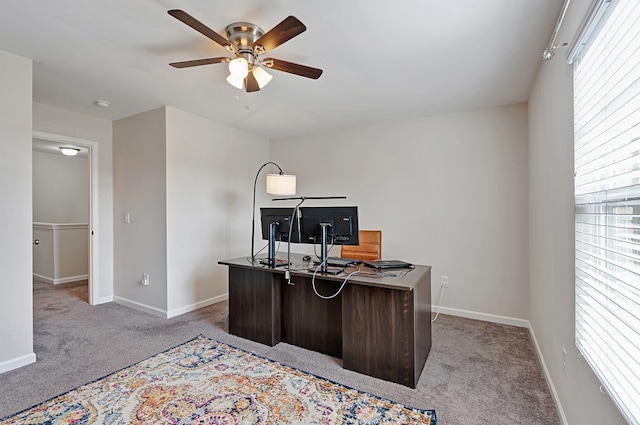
x=401, y=279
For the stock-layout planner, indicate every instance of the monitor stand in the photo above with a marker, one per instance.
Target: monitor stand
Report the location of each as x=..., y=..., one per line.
x=271, y=259
x=324, y=254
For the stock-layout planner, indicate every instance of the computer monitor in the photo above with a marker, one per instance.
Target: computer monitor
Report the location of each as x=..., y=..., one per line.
x=276, y=226
x=329, y=226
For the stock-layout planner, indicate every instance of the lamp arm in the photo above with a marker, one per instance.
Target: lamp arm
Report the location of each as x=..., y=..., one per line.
x=309, y=197
x=253, y=217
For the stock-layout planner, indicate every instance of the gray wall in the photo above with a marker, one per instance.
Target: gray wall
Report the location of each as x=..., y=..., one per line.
x=448, y=191
x=60, y=188
x=210, y=174
x=16, y=316
x=186, y=183
x=139, y=162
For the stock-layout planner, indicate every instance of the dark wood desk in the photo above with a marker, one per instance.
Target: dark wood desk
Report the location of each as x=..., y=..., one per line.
x=380, y=324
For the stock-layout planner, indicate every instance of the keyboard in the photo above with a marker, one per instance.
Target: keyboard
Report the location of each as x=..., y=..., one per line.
x=340, y=262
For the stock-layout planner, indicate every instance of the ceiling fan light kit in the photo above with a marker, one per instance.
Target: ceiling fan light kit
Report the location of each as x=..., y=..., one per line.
x=262, y=76
x=239, y=67
x=236, y=81
x=247, y=42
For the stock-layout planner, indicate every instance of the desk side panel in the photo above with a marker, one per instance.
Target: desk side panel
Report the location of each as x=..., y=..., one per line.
x=378, y=333
x=254, y=305
x=422, y=302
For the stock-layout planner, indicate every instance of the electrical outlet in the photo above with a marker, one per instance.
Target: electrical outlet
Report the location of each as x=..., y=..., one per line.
x=145, y=279
x=444, y=281
x=564, y=361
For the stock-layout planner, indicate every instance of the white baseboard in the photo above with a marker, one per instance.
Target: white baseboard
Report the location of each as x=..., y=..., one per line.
x=547, y=375
x=168, y=314
x=103, y=300
x=140, y=307
x=513, y=321
x=61, y=280
x=195, y=306
x=42, y=278
x=17, y=362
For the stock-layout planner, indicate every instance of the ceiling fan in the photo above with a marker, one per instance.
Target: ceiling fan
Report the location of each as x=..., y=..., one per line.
x=247, y=42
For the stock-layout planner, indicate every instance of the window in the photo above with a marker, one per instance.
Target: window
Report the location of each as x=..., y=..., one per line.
x=607, y=196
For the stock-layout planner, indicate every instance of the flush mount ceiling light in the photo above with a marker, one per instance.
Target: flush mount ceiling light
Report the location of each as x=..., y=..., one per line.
x=247, y=42
x=102, y=103
x=69, y=151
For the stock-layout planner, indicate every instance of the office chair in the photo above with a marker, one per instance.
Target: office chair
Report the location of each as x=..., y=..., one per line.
x=370, y=247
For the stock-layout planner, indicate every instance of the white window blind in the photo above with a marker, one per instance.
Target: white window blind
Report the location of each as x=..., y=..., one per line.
x=607, y=196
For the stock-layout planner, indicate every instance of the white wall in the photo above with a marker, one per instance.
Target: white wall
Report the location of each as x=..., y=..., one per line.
x=210, y=173
x=186, y=183
x=60, y=188
x=552, y=235
x=59, y=122
x=16, y=316
x=448, y=191
x=139, y=164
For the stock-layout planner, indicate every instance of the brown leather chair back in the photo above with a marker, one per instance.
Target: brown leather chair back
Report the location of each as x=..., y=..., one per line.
x=370, y=247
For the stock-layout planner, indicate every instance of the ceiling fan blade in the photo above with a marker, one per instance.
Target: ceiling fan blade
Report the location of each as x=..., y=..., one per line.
x=250, y=83
x=292, y=68
x=185, y=18
x=198, y=62
x=284, y=31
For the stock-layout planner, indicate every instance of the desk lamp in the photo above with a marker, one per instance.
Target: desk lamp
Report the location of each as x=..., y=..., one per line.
x=280, y=184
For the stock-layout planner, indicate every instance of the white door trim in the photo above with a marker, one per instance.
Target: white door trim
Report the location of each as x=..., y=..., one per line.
x=94, y=234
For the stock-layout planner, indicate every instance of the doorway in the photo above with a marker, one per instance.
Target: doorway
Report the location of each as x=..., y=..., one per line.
x=50, y=143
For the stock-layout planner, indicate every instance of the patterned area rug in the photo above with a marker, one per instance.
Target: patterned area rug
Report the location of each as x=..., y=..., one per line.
x=206, y=382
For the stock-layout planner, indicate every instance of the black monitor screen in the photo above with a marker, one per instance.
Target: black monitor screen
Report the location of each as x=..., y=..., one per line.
x=341, y=224
x=282, y=217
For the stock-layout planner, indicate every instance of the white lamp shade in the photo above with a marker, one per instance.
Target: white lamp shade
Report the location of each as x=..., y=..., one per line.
x=239, y=67
x=262, y=76
x=236, y=81
x=281, y=184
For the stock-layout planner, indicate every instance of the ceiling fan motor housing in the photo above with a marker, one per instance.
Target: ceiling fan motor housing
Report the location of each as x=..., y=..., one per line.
x=243, y=35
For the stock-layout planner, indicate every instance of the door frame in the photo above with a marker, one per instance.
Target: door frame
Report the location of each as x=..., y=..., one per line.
x=93, y=234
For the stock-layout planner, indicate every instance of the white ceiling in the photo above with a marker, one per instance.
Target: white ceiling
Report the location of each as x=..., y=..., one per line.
x=382, y=60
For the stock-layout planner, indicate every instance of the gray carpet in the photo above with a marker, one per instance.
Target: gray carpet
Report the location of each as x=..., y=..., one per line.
x=477, y=372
